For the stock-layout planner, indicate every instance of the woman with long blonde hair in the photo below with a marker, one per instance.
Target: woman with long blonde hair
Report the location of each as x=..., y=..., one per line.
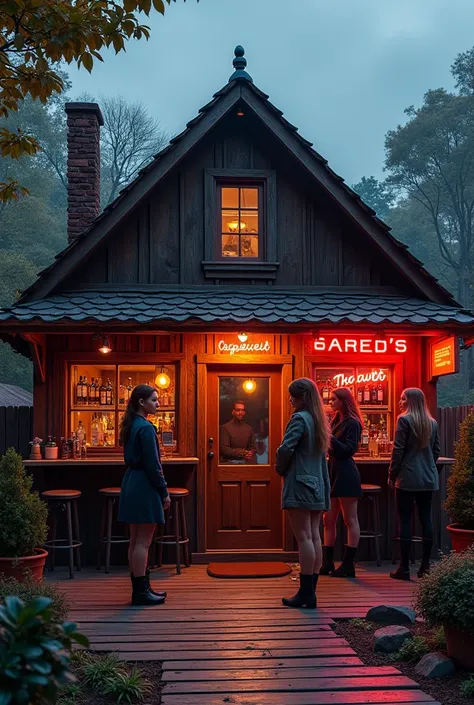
x=301, y=461
x=414, y=475
x=346, y=490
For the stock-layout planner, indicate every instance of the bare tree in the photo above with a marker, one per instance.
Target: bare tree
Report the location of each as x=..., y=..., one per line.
x=130, y=138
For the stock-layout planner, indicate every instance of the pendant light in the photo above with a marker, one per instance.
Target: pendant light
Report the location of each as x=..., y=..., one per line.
x=249, y=386
x=162, y=380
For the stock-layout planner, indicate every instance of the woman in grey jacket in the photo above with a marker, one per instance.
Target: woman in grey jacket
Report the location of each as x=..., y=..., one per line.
x=414, y=475
x=301, y=461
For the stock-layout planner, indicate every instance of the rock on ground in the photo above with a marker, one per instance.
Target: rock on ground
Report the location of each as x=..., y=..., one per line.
x=435, y=665
x=391, y=639
x=388, y=614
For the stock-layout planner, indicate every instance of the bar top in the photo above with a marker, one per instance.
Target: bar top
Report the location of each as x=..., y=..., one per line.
x=364, y=460
x=107, y=460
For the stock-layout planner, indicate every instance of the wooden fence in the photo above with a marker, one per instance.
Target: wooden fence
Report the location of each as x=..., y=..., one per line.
x=449, y=419
x=16, y=428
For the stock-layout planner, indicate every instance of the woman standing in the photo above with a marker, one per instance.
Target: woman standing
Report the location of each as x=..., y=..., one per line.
x=414, y=475
x=301, y=461
x=144, y=495
x=346, y=489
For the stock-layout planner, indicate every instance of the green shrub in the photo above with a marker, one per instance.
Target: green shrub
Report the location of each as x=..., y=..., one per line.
x=467, y=688
x=412, y=649
x=29, y=588
x=460, y=494
x=128, y=686
x=437, y=640
x=23, y=513
x=34, y=652
x=361, y=624
x=96, y=669
x=446, y=594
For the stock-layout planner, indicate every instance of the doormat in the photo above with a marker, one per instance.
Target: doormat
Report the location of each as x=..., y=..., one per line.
x=263, y=569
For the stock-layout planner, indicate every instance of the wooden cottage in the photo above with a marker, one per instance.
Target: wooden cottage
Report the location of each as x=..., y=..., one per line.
x=236, y=261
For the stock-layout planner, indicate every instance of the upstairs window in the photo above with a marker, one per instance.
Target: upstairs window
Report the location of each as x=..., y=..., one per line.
x=241, y=226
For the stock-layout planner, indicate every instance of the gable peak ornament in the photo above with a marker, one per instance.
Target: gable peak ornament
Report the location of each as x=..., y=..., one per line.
x=240, y=63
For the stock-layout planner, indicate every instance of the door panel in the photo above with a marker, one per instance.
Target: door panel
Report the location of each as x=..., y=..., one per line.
x=243, y=491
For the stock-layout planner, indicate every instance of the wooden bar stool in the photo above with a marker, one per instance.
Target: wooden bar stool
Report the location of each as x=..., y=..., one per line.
x=110, y=495
x=372, y=532
x=63, y=500
x=178, y=536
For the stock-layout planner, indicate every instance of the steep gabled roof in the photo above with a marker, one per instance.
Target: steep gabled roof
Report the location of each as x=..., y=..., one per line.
x=240, y=89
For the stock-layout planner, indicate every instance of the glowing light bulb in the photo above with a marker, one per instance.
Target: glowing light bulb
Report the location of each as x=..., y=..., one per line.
x=105, y=347
x=162, y=380
x=249, y=386
x=243, y=337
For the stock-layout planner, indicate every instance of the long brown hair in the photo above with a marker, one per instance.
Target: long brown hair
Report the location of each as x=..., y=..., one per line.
x=306, y=390
x=418, y=409
x=350, y=407
x=141, y=391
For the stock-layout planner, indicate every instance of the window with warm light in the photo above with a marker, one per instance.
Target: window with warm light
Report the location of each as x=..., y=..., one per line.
x=240, y=222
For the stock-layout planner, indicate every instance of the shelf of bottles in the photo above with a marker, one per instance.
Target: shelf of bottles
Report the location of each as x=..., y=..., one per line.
x=99, y=395
x=372, y=388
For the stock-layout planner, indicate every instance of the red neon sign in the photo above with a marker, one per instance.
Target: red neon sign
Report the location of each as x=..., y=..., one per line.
x=341, y=380
x=370, y=346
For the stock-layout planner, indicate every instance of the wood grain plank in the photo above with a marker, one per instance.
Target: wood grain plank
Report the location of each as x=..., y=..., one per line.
x=236, y=664
x=376, y=697
x=219, y=645
x=278, y=674
x=217, y=654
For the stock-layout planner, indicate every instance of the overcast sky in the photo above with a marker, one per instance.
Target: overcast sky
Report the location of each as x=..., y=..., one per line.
x=343, y=71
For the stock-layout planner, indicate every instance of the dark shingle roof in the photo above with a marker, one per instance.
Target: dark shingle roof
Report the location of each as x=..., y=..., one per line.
x=10, y=395
x=212, y=306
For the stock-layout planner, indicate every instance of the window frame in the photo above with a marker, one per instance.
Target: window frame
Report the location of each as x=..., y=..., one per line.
x=217, y=266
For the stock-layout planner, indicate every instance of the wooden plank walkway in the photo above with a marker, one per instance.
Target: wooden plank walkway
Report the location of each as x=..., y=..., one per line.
x=232, y=641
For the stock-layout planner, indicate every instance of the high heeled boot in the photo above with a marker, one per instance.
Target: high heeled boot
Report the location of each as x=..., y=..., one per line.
x=328, y=561
x=141, y=595
x=347, y=567
x=305, y=597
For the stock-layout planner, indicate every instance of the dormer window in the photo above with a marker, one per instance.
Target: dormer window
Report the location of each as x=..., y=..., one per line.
x=240, y=224
x=240, y=218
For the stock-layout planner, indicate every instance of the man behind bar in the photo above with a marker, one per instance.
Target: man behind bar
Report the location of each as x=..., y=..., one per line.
x=237, y=439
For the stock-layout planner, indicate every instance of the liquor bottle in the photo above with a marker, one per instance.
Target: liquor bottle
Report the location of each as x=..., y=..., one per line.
x=129, y=388
x=380, y=394
x=103, y=394
x=121, y=394
x=64, y=449
x=81, y=432
x=167, y=422
x=95, y=431
x=109, y=394
x=365, y=440
x=359, y=395
x=165, y=400
x=79, y=392
x=373, y=395
x=85, y=391
x=366, y=394
x=110, y=432
x=326, y=392
x=83, y=451
x=92, y=391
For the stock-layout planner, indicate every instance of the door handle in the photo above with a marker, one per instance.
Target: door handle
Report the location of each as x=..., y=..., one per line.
x=210, y=454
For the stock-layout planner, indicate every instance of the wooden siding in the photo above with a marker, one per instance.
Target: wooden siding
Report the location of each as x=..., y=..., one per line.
x=162, y=241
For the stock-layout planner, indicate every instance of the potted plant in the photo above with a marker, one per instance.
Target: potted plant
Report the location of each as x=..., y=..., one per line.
x=460, y=494
x=23, y=515
x=445, y=597
x=35, y=444
x=35, y=652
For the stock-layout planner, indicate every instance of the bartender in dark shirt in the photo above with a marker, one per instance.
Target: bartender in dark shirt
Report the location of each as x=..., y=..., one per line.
x=237, y=439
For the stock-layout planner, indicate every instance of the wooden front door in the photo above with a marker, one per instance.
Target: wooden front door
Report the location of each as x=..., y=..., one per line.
x=243, y=490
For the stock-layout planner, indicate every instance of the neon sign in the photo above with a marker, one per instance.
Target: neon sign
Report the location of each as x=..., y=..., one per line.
x=341, y=380
x=233, y=348
x=369, y=346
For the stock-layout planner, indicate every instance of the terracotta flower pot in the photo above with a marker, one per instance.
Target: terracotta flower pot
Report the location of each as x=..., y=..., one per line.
x=35, y=453
x=15, y=567
x=460, y=646
x=460, y=538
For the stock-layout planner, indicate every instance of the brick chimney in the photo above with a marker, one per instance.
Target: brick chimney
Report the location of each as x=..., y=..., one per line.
x=84, y=121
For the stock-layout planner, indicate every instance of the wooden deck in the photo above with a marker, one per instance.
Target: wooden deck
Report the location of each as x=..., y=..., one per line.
x=232, y=641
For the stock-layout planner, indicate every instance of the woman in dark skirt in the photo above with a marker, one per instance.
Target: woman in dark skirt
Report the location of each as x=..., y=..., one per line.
x=144, y=494
x=346, y=488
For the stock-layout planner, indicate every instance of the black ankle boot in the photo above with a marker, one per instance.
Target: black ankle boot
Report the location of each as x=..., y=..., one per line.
x=141, y=595
x=347, y=568
x=328, y=561
x=147, y=576
x=305, y=597
x=401, y=573
x=153, y=592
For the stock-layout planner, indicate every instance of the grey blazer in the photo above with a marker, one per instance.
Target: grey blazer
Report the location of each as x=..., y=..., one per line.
x=413, y=468
x=303, y=468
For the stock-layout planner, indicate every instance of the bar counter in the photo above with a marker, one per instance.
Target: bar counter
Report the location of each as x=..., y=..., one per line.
x=94, y=472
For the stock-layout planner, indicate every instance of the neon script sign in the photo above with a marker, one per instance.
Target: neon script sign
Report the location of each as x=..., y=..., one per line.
x=342, y=380
x=360, y=345
x=233, y=348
